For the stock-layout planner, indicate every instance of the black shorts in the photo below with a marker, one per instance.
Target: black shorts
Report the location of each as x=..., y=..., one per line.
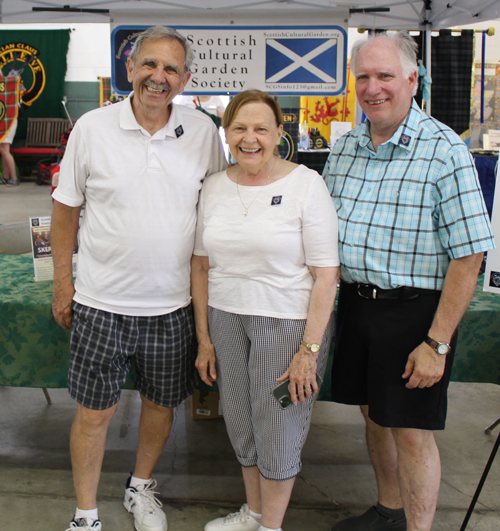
x=102, y=343
x=373, y=341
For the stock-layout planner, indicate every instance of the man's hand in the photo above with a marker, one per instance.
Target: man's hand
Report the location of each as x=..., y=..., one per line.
x=63, y=231
x=424, y=367
x=61, y=304
x=205, y=363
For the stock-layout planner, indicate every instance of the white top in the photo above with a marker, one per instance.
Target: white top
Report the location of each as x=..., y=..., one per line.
x=212, y=105
x=141, y=192
x=258, y=263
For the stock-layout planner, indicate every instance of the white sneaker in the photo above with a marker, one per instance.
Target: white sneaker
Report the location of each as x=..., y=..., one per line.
x=83, y=525
x=145, y=507
x=240, y=521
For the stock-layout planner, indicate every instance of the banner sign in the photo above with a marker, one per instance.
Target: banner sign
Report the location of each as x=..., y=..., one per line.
x=38, y=57
x=9, y=104
x=282, y=60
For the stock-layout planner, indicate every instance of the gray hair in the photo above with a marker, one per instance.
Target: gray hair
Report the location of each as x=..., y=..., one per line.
x=405, y=45
x=155, y=33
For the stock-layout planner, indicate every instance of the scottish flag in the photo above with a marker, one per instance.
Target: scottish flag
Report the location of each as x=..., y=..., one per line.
x=301, y=60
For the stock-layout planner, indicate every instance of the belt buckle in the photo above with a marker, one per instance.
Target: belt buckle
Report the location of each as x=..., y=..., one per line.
x=373, y=295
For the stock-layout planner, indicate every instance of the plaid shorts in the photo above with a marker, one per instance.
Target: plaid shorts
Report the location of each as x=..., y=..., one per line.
x=102, y=343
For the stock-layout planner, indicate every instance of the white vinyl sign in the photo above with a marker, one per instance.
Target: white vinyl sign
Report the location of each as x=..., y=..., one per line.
x=229, y=59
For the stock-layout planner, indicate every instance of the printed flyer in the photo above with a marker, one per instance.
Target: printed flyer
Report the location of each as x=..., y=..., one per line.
x=42, y=251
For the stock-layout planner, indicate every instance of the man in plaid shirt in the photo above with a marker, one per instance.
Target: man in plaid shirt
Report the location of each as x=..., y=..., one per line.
x=412, y=232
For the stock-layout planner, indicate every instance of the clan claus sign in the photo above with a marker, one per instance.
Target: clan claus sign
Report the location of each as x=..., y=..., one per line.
x=38, y=59
x=21, y=60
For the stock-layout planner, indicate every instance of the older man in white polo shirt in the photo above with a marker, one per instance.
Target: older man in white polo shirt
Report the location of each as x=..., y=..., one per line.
x=138, y=166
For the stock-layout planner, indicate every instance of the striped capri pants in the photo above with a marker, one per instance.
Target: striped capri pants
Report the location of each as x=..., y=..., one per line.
x=251, y=352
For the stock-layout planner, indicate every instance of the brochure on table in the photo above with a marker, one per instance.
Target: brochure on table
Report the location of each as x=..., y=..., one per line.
x=492, y=273
x=42, y=252
x=338, y=129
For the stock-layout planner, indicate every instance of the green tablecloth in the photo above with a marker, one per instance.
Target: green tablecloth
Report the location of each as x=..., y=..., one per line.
x=34, y=350
x=478, y=351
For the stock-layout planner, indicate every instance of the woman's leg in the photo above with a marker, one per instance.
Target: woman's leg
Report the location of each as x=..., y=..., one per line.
x=275, y=499
x=9, y=166
x=252, y=479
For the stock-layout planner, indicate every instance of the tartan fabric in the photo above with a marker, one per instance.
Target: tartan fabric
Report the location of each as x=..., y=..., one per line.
x=452, y=71
x=9, y=104
x=315, y=160
x=407, y=209
x=104, y=90
x=106, y=93
x=102, y=344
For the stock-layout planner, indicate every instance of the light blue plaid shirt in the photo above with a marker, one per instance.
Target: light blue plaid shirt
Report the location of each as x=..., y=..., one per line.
x=408, y=209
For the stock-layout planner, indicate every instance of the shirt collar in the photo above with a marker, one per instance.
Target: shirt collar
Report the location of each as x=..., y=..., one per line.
x=403, y=137
x=173, y=128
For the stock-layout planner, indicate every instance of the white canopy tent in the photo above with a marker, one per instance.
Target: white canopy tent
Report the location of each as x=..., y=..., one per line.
x=423, y=15
x=390, y=14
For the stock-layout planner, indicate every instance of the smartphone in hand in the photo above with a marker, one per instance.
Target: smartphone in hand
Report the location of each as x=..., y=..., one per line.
x=281, y=392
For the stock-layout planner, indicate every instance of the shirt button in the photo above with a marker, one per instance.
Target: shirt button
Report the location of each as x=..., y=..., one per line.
x=153, y=156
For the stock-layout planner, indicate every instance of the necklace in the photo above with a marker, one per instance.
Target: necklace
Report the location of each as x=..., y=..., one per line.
x=258, y=193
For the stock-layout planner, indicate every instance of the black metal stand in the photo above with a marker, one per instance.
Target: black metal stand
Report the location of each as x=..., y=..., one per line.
x=484, y=476
x=489, y=429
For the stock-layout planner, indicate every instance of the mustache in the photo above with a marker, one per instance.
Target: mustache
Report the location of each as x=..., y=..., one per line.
x=157, y=86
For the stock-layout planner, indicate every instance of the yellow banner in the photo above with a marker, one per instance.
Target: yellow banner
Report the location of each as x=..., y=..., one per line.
x=320, y=111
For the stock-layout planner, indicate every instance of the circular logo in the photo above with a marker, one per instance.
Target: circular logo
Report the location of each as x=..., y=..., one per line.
x=319, y=143
x=2, y=110
x=286, y=147
x=20, y=59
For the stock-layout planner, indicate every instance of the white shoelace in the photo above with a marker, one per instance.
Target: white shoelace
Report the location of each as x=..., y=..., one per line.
x=240, y=516
x=85, y=528
x=146, y=498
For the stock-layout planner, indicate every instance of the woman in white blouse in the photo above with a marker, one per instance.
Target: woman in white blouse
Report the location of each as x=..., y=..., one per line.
x=264, y=274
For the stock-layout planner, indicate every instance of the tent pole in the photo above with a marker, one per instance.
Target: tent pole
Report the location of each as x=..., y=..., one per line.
x=483, y=59
x=428, y=64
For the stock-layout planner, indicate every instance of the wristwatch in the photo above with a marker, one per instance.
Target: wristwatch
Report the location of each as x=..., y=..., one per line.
x=313, y=347
x=441, y=348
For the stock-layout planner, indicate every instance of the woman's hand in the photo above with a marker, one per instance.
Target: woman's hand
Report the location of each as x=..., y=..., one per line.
x=205, y=363
x=302, y=374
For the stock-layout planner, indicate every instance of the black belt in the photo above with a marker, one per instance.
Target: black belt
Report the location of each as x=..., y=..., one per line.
x=369, y=291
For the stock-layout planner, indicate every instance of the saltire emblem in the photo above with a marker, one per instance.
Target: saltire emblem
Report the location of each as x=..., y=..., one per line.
x=495, y=279
x=9, y=104
x=301, y=60
x=405, y=140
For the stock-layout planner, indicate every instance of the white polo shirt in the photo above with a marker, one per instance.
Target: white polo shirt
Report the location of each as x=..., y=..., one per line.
x=140, y=192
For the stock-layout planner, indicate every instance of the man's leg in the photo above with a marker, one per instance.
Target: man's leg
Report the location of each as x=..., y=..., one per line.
x=87, y=444
x=384, y=458
x=154, y=429
x=419, y=475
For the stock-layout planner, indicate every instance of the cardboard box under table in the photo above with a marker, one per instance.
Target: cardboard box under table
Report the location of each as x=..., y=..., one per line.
x=204, y=405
